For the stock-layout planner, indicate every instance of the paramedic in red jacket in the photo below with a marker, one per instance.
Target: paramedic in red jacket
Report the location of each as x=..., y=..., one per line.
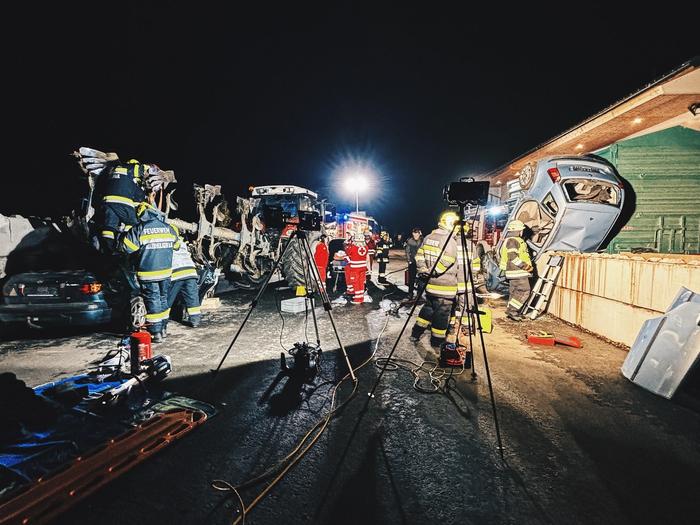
x=321, y=258
x=356, y=270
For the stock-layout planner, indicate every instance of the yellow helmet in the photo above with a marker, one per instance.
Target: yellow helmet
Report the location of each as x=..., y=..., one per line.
x=515, y=226
x=448, y=220
x=141, y=207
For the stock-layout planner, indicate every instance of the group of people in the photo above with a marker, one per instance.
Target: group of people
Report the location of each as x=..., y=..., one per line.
x=359, y=253
x=129, y=222
x=439, y=261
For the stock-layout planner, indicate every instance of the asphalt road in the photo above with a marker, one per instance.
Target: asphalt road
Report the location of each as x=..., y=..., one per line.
x=581, y=443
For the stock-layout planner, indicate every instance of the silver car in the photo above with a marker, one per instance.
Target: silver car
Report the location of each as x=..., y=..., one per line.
x=568, y=203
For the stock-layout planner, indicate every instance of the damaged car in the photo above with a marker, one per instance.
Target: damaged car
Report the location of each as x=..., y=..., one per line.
x=569, y=203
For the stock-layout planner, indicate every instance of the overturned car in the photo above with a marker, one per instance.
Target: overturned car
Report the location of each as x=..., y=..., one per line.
x=568, y=203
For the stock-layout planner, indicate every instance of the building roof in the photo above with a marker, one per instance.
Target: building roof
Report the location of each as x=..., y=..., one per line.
x=668, y=98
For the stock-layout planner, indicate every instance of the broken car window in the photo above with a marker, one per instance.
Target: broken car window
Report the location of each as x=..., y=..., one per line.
x=593, y=191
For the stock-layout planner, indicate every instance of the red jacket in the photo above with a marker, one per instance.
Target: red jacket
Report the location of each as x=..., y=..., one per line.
x=321, y=255
x=356, y=256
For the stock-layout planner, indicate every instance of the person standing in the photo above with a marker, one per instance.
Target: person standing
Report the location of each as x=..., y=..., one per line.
x=321, y=258
x=412, y=246
x=153, y=240
x=356, y=269
x=383, y=247
x=516, y=263
x=184, y=284
x=441, y=287
x=371, y=253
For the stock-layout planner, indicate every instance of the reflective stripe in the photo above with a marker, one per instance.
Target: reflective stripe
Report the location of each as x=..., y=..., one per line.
x=118, y=199
x=517, y=261
x=516, y=274
x=184, y=273
x=424, y=323
x=437, y=332
x=121, y=170
x=107, y=234
x=194, y=310
x=157, y=237
x=441, y=267
x=158, y=316
x=154, y=275
x=130, y=245
x=516, y=303
x=445, y=288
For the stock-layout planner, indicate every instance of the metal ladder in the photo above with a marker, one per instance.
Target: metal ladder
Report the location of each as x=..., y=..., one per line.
x=544, y=288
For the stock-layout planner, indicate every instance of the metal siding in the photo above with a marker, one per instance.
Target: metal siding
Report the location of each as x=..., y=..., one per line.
x=663, y=168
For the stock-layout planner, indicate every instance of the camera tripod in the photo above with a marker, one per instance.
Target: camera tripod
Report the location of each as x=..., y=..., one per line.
x=470, y=307
x=317, y=283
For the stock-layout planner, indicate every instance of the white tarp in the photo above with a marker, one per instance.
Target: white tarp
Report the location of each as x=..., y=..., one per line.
x=667, y=347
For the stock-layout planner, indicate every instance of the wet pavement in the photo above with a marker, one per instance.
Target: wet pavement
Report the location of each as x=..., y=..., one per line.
x=581, y=443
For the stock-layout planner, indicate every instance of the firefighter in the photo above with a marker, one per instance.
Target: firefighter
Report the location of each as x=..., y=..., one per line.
x=154, y=240
x=184, y=284
x=371, y=253
x=121, y=192
x=383, y=247
x=412, y=246
x=516, y=263
x=321, y=258
x=356, y=269
x=441, y=287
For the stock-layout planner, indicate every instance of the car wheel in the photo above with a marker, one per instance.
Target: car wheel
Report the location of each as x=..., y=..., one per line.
x=137, y=314
x=526, y=176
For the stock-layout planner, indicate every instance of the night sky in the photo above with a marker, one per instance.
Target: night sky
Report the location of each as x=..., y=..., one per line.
x=238, y=97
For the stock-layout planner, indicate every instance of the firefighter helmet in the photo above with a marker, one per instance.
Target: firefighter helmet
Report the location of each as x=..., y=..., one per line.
x=516, y=226
x=448, y=220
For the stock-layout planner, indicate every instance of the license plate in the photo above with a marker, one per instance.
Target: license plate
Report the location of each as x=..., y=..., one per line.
x=42, y=291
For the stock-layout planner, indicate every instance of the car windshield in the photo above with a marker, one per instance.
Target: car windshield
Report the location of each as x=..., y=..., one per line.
x=290, y=204
x=592, y=191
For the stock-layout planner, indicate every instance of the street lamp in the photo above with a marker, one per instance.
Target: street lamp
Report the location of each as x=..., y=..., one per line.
x=356, y=182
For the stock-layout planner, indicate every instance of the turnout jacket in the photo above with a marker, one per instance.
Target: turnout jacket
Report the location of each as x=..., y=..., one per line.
x=154, y=240
x=463, y=286
x=383, y=247
x=515, y=259
x=183, y=265
x=123, y=185
x=443, y=281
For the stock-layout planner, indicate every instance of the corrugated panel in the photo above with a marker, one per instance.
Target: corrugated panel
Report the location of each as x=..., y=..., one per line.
x=664, y=170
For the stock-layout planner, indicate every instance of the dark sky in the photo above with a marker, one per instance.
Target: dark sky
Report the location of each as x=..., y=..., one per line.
x=237, y=97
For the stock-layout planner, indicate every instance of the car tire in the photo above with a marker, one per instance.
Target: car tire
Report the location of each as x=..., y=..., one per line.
x=136, y=316
x=526, y=176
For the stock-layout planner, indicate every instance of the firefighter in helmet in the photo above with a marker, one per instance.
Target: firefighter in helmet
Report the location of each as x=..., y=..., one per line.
x=517, y=265
x=441, y=286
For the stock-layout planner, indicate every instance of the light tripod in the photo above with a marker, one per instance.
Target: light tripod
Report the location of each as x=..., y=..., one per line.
x=303, y=240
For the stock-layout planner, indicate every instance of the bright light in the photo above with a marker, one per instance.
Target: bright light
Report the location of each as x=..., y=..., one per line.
x=356, y=182
x=579, y=146
x=495, y=210
x=638, y=120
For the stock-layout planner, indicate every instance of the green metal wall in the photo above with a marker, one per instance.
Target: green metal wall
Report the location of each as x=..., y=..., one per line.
x=663, y=168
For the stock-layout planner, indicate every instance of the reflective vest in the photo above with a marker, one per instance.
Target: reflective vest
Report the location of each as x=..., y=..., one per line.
x=383, y=247
x=154, y=240
x=183, y=265
x=444, y=280
x=515, y=258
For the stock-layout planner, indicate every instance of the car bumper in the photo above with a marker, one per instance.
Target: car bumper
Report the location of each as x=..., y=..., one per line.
x=44, y=315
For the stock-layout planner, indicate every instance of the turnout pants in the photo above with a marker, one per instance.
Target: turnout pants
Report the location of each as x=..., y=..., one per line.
x=382, y=270
x=519, y=291
x=188, y=292
x=323, y=272
x=155, y=295
x=412, y=271
x=435, y=314
x=113, y=216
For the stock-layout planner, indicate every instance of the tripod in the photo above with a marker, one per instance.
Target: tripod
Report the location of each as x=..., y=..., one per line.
x=468, y=278
x=303, y=239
